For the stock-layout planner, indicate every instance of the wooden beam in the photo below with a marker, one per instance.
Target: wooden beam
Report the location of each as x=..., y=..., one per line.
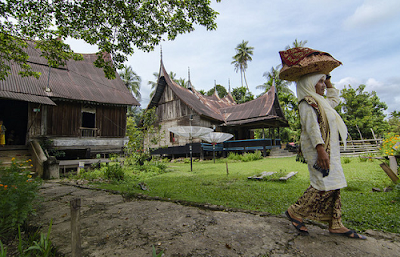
x=389, y=172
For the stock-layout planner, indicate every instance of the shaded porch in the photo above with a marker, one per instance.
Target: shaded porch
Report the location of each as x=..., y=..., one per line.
x=201, y=150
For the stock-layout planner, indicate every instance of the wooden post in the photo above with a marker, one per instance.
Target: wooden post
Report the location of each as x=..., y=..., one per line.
x=227, y=170
x=360, y=134
x=389, y=172
x=75, y=227
x=393, y=164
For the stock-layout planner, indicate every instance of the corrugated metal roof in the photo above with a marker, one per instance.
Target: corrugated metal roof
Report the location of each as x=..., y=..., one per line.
x=77, y=80
x=26, y=98
x=262, y=110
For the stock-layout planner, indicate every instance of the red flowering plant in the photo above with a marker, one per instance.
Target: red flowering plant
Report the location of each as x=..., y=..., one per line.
x=18, y=190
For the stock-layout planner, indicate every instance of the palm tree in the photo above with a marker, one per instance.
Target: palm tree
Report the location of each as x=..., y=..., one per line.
x=281, y=86
x=182, y=82
x=243, y=55
x=153, y=84
x=132, y=81
x=297, y=44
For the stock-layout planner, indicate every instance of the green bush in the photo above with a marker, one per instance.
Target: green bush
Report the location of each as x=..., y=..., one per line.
x=17, y=192
x=234, y=156
x=346, y=160
x=137, y=158
x=156, y=167
x=246, y=157
x=113, y=171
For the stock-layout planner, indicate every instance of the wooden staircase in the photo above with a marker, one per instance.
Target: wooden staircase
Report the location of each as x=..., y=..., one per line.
x=21, y=154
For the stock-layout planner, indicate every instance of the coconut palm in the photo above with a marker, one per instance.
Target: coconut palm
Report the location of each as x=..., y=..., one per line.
x=153, y=84
x=243, y=55
x=281, y=86
x=182, y=82
x=132, y=81
x=296, y=43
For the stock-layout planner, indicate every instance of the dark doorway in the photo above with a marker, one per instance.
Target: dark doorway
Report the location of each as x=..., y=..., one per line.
x=15, y=118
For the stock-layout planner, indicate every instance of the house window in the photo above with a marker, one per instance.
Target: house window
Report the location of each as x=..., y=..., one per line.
x=88, y=120
x=88, y=125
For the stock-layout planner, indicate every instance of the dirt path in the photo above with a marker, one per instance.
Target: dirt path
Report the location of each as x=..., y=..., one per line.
x=112, y=226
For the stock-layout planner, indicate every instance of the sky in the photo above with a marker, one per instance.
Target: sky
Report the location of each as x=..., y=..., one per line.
x=363, y=34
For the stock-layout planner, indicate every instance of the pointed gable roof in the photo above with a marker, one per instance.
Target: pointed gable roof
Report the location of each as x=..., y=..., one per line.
x=263, y=111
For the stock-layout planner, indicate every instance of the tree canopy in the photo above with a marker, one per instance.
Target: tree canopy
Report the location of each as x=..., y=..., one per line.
x=394, y=122
x=221, y=90
x=116, y=27
x=362, y=111
x=242, y=95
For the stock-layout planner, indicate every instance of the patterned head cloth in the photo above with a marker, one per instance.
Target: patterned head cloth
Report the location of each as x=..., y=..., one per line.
x=306, y=87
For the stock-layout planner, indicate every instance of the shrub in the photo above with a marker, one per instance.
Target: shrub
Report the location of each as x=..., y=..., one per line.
x=346, y=160
x=18, y=190
x=246, y=157
x=113, y=171
x=234, y=156
x=156, y=167
x=137, y=158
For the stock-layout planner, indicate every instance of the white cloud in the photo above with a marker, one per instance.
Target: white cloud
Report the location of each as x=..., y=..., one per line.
x=373, y=12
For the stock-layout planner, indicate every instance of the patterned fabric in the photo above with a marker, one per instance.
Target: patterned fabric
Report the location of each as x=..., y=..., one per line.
x=293, y=56
x=322, y=121
x=318, y=205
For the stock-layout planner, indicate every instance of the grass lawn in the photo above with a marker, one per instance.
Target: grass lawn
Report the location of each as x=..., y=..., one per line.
x=209, y=183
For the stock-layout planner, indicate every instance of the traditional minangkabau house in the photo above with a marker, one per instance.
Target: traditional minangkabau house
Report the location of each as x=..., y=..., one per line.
x=179, y=106
x=75, y=107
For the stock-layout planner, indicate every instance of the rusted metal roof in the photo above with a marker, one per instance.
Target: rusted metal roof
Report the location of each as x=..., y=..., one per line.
x=26, y=98
x=77, y=80
x=262, y=111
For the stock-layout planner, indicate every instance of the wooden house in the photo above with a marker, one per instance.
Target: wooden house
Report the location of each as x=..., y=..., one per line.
x=75, y=107
x=179, y=106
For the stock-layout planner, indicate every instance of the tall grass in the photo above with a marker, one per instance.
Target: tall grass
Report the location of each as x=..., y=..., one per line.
x=211, y=183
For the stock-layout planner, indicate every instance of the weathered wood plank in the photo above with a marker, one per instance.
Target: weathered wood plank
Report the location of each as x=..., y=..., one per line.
x=393, y=164
x=389, y=172
x=291, y=174
x=263, y=175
